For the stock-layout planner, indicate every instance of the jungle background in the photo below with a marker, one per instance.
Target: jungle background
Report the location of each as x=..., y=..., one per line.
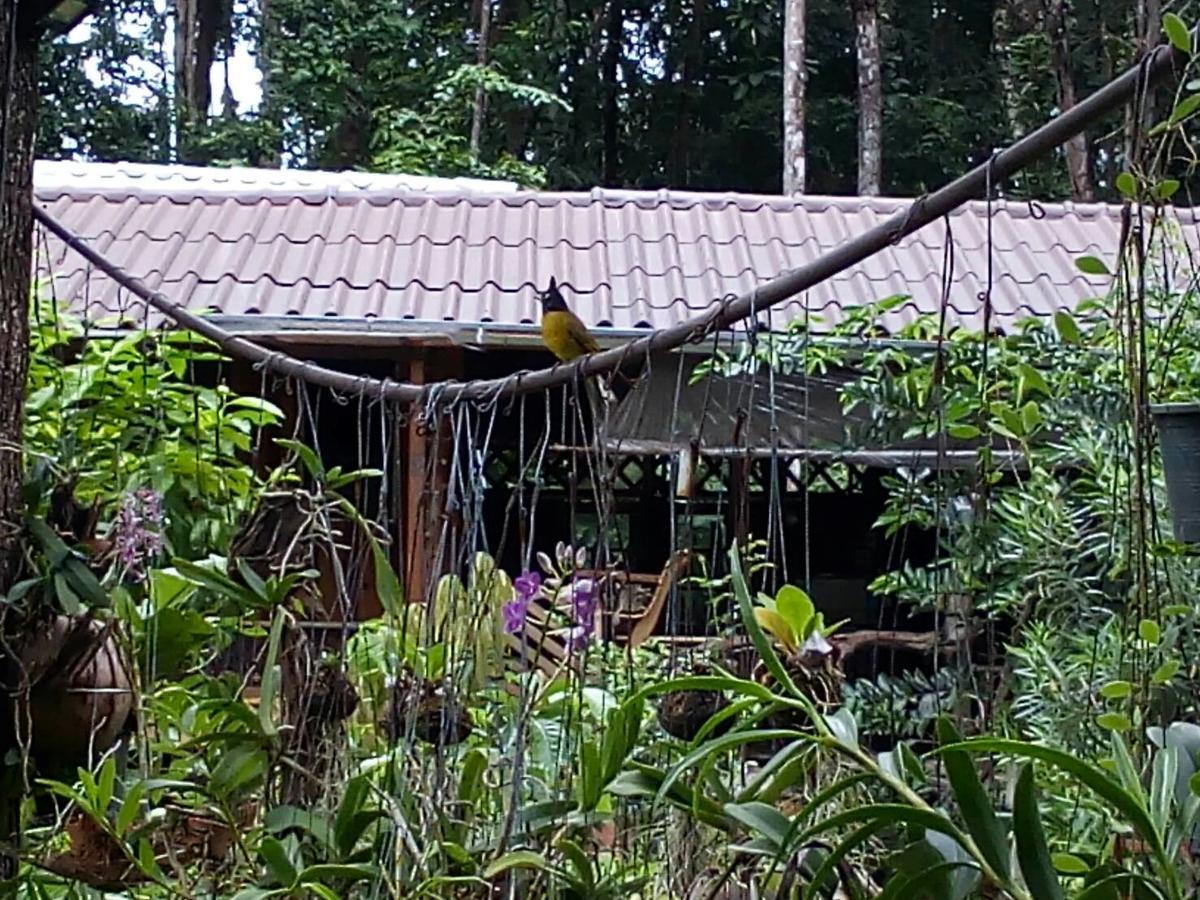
x=569, y=94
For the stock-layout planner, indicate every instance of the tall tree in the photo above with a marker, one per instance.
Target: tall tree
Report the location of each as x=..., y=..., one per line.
x=19, y=38
x=795, y=81
x=198, y=26
x=614, y=39
x=870, y=97
x=479, y=105
x=1079, y=165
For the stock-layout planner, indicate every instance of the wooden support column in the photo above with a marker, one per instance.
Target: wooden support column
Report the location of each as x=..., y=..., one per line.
x=428, y=449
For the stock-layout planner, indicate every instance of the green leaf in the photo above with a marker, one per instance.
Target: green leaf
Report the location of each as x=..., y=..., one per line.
x=765, y=651
x=516, y=859
x=1088, y=775
x=590, y=783
x=271, y=676
x=1068, y=330
x=279, y=864
x=1164, y=776
x=1194, y=784
x=470, y=778
x=1165, y=672
x=763, y=818
x=1166, y=189
x=1149, y=631
x=927, y=884
x=349, y=824
x=977, y=811
x=238, y=768
x=1116, y=690
x=1069, y=864
x=1033, y=854
x=322, y=872
x=964, y=432
x=1033, y=380
x=1177, y=32
x=1090, y=265
x=387, y=583
x=797, y=610
x=1126, y=184
x=307, y=455
x=579, y=861
x=1114, y=721
x=1184, y=109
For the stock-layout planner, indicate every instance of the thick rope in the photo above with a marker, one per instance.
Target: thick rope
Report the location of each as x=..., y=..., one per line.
x=924, y=210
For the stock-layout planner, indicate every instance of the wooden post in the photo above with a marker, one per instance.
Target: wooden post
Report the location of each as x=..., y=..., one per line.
x=428, y=449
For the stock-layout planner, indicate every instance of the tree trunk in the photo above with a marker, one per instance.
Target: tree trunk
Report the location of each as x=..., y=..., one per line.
x=197, y=25
x=612, y=55
x=1147, y=29
x=795, y=79
x=693, y=56
x=479, y=108
x=268, y=110
x=18, y=126
x=870, y=97
x=1079, y=166
x=17, y=129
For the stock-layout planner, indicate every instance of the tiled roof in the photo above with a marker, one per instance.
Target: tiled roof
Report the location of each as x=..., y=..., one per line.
x=256, y=242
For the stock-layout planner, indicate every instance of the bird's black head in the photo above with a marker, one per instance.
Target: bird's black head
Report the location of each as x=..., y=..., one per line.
x=552, y=298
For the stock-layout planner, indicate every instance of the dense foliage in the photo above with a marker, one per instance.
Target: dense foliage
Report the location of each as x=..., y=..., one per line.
x=619, y=92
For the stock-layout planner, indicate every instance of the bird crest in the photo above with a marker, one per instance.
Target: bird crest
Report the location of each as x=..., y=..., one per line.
x=552, y=298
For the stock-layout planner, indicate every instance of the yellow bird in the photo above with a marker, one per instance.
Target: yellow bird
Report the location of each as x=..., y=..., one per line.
x=563, y=333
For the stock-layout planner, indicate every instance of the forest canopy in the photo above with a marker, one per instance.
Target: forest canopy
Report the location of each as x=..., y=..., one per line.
x=574, y=93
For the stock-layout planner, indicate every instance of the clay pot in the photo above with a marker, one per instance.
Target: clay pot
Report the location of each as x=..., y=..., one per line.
x=80, y=697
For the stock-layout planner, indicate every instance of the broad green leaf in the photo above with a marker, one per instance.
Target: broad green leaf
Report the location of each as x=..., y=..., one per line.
x=928, y=884
x=321, y=872
x=1068, y=330
x=797, y=610
x=1177, y=32
x=1033, y=854
x=1126, y=184
x=766, y=652
x=1087, y=774
x=347, y=827
x=239, y=767
x=1033, y=380
x=1069, y=864
x=1116, y=690
x=777, y=626
x=575, y=855
x=763, y=818
x=1090, y=265
x=1166, y=189
x=723, y=744
x=977, y=811
x=516, y=859
x=1164, y=776
x=1114, y=721
x=279, y=864
x=1165, y=672
x=1149, y=631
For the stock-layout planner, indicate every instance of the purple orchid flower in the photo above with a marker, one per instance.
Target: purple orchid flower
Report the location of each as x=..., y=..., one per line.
x=584, y=602
x=525, y=588
x=137, y=532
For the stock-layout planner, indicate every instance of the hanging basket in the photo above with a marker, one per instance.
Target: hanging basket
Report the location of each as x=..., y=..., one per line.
x=1179, y=434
